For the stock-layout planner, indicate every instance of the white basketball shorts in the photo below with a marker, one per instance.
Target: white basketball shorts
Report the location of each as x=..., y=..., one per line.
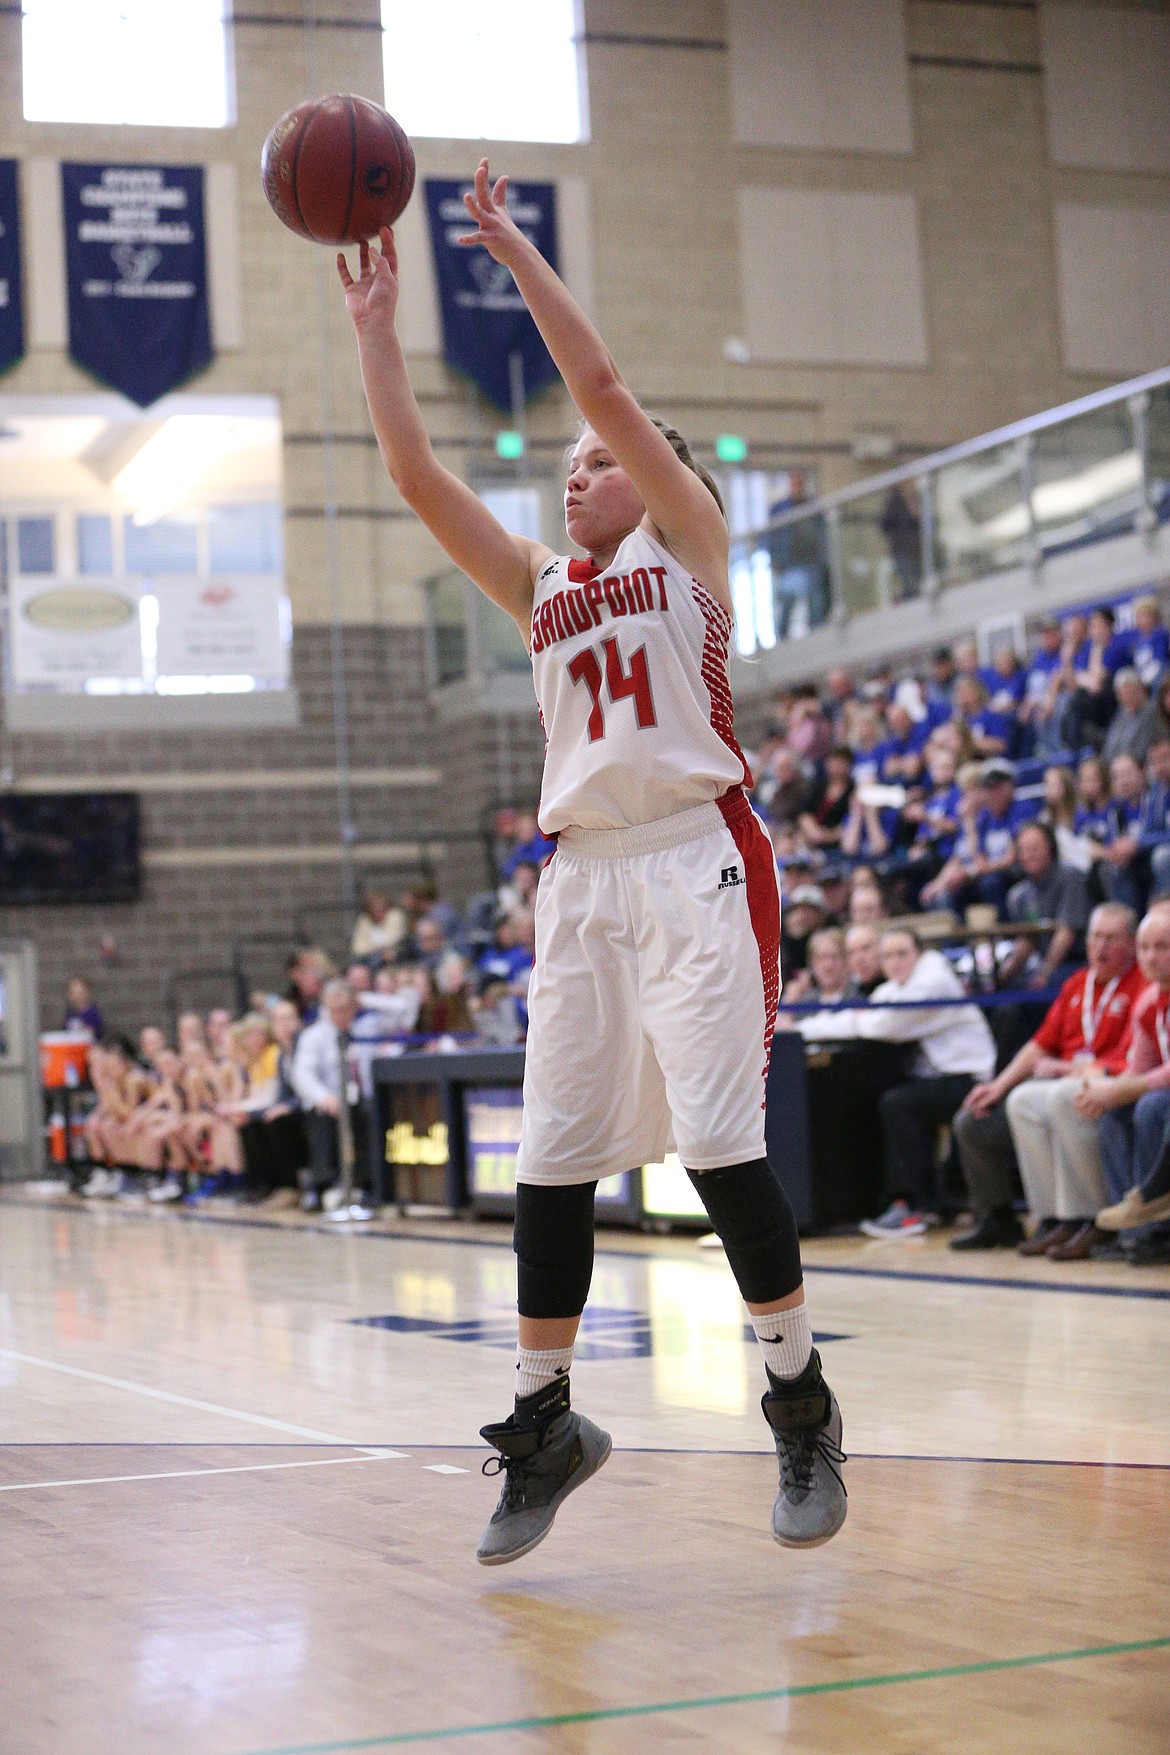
x=653, y=998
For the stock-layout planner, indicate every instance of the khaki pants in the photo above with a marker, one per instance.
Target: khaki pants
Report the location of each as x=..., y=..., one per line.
x=1057, y=1149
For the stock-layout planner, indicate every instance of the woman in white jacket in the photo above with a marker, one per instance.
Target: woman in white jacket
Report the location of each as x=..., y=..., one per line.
x=956, y=1050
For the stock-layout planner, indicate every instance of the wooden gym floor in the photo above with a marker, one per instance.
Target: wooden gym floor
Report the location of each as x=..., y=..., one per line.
x=240, y=1494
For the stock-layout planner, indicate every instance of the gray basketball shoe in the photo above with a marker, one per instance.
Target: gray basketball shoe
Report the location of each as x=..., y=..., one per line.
x=545, y=1451
x=806, y=1423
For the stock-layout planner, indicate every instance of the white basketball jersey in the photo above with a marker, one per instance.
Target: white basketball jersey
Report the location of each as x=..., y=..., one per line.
x=631, y=674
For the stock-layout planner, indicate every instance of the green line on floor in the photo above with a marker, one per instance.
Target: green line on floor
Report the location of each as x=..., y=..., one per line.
x=405, y=1739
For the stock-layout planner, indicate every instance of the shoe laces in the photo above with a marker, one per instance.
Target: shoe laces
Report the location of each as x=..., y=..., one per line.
x=512, y=1467
x=798, y=1459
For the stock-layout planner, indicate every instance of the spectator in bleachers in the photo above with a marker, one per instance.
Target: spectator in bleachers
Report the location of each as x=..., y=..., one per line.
x=1036, y=711
x=1132, y=1109
x=320, y=1079
x=901, y=753
x=810, y=735
x=988, y=877
x=954, y=1051
x=531, y=848
x=379, y=929
x=867, y=832
x=82, y=1013
x=935, y=815
x=940, y=685
x=1095, y=664
x=840, y=703
x=1154, y=823
x=1135, y=722
x=781, y=791
x=828, y=804
x=1059, y=811
x=991, y=731
x=867, y=905
x=308, y=971
x=1048, y=891
x=863, y=954
x=804, y=913
x=1006, y=683
x=1149, y=643
x=831, y=983
x=1120, y=869
x=866, y=749
x=1031, y=1103
x=1092, y=822
x=952, y=882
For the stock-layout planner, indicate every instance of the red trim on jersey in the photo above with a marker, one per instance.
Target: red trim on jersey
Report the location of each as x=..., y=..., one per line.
x=763, y=897
x=581, y=572
x=713, y=668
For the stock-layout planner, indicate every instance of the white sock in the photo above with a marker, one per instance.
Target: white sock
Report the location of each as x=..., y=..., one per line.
x=537, y=1370
x=785, y=1340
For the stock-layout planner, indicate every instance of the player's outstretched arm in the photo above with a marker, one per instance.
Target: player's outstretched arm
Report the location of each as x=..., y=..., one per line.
x=502, y=565
x=678, y=503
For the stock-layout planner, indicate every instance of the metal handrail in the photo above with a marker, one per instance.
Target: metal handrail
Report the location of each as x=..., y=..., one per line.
x=934, y=460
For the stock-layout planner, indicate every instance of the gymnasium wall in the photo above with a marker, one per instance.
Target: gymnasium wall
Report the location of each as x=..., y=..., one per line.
x=828, y=225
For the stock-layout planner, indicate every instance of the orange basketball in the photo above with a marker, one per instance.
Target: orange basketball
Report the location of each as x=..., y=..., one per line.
x=336, y=168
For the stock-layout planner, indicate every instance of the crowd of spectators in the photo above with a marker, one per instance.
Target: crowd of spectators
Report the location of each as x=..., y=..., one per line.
x=958, y=828
x=963, y=827
x=262, y=1107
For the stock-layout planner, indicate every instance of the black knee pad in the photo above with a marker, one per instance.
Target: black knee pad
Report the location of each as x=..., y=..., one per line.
x=553, y=1240
x=756, y=1226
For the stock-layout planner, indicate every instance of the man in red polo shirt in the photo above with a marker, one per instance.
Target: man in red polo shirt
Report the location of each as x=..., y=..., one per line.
x=1085, y=1030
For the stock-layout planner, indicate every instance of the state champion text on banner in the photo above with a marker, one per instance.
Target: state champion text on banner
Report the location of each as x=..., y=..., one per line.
x=137, y=269
x=11, y=306
x=485, y=321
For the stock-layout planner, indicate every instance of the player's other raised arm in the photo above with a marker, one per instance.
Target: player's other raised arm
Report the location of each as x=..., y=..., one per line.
x=678, y=503
x=502, y=565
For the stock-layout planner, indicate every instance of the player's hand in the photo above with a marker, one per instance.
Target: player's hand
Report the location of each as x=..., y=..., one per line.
x=374, y=294
x=498, y=232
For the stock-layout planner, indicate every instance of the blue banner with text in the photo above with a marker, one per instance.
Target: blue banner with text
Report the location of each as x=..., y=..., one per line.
x=11, y=308
x=137, y=270
x=487, y=331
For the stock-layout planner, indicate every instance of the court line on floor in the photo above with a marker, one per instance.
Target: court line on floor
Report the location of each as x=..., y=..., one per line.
x=373, y=1451
x=798, y=1691
x=1001, y=1283
x=182, y=1401
x=323, y=1462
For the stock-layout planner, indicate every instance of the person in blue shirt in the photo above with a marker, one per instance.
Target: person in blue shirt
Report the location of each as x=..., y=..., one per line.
x=1006, y=681
x=1002, y=815
x=991, y=732
x=1149, y=642
x=1090, y=706
x=1039, y=710
x=900, y=754
x=1154, y=822
x=938, y=686
x=1122, y=869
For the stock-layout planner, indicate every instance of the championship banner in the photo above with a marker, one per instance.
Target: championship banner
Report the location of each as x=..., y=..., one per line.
x=487, y=331
x=11, y=313
x=137, y=270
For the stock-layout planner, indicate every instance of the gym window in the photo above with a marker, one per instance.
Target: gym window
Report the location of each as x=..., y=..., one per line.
x=126, y=61
x=486, y=69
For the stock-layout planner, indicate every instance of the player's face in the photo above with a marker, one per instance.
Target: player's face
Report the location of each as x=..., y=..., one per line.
x=601, y=503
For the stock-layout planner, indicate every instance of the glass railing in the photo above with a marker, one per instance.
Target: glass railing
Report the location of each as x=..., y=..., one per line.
x=1095, y=468
x=467, y=634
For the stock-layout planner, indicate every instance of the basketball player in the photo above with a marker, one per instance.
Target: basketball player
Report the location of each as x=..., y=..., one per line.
x=658, y=921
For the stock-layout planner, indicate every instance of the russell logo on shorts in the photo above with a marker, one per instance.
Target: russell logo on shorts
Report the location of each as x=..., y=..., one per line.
x=729, y=877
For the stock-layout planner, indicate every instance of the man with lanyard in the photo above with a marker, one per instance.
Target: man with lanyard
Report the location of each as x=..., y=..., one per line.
x=1132, y=1110
x=1030, y=1103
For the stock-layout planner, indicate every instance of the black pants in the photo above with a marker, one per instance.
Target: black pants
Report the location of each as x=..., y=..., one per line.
x=987, y=1158
x=273, y=1152
x=911, y=1116
x=323, y=1136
